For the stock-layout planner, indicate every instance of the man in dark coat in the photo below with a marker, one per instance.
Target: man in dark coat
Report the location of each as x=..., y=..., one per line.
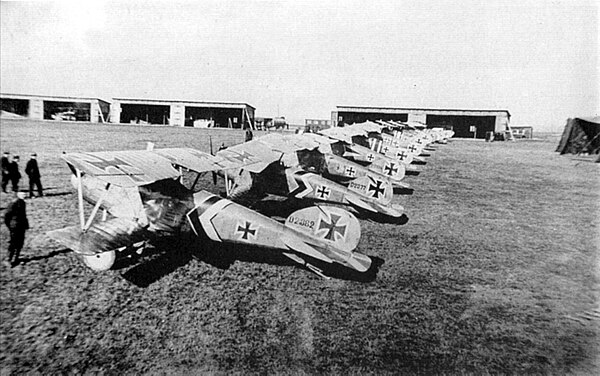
x=14, y=174
x=32, y=170
x=5, y=170
x=16, y=221
x=249, y=135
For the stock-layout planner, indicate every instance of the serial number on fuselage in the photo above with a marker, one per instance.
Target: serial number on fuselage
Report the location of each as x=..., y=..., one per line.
x=301, y=222
x=354, y=185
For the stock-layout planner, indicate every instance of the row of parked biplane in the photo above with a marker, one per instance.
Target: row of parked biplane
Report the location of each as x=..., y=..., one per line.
x=145, y=194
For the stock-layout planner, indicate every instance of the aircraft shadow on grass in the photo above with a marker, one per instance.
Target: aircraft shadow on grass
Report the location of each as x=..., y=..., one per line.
x=168, y=256
x=282, y=209
x=55, y=194
x=403, y=191
x=43, y=257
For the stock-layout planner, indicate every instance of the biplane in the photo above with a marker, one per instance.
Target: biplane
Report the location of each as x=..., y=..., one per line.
x=280, y=172
x=381, y=143
x=345, y=158
x=142, y=197
x=372, y=159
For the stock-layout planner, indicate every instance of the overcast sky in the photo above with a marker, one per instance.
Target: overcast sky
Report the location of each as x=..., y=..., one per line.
x=299, y=59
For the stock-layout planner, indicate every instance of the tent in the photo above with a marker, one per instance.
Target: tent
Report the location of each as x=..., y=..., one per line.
x=581, y=135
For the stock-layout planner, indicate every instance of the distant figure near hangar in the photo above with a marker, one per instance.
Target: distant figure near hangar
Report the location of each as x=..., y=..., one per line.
x=464, y=123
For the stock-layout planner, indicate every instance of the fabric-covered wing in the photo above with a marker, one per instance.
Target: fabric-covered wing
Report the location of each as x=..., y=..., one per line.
x=191, y=159
x=129, y=168
x=254, y=156
x=337, y=134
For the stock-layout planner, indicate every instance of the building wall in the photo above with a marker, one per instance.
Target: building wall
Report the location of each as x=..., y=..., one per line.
x=115, y=112
x=177, y=115
x=36, y=109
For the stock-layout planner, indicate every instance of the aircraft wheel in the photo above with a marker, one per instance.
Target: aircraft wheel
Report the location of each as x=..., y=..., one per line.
x=101, y=261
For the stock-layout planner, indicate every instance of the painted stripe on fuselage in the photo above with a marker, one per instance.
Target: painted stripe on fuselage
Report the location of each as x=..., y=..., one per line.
x=205, y=212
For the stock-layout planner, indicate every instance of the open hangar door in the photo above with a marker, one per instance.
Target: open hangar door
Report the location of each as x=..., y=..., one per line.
x=15, y=106
x=67, y=111
x=221, y=117
x=347, y=118
x=145, y=114
x=461, y=124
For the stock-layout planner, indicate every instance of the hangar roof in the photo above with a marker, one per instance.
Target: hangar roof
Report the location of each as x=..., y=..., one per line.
x=183, y=102
x=51, y=97
x=442, y=111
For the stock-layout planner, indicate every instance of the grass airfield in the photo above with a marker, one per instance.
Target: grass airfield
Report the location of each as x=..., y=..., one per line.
x=496, y=271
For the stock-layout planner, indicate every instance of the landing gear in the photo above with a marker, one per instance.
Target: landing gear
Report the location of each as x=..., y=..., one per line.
x=100, y=261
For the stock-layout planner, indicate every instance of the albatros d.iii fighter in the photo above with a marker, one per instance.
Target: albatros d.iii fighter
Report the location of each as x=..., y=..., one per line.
x=142, y=197
x=280, y=173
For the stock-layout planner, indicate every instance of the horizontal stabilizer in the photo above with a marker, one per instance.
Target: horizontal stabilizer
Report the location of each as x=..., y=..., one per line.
x=359, y=262
x=392, y=210
x=400, y=184
x=349, y=154
x=356, y=201
x=299, y=246
x=100, y=237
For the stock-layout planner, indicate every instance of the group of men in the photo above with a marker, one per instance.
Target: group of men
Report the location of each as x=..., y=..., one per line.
x=15, y=217
x=11, y=173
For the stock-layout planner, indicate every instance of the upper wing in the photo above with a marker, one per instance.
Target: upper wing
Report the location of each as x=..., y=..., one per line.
x=337, y=134
x=123, y=168
x=191, y=159
x=133, y=168
x=252, y=155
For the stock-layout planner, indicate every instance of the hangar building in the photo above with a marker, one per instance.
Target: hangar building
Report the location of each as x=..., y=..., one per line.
x=465, y=123
x=182, y=113
x=39, y=107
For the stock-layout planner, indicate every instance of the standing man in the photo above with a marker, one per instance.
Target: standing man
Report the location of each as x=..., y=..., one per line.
x=16, y=221
x=249, y=135
x=5, y=170
x=14, y=174
x=33, y=172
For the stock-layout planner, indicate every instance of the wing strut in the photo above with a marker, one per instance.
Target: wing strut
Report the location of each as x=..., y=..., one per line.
x=80, y=198
x=95, y=209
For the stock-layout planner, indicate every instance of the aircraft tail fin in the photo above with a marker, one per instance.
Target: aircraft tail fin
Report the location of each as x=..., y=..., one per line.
x=332, y=225
x=357, y=202
x=100, y=237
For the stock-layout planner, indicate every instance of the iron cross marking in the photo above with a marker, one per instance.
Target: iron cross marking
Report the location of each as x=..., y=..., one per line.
x=376, y=189
x=242, y=156
x=385, y=149
x=246, y=230
x=370, y=157
x=390, y=169
x=402, y=155
x=350, y=171
x=323, y=192
x=332, y=228
x=412, y=148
